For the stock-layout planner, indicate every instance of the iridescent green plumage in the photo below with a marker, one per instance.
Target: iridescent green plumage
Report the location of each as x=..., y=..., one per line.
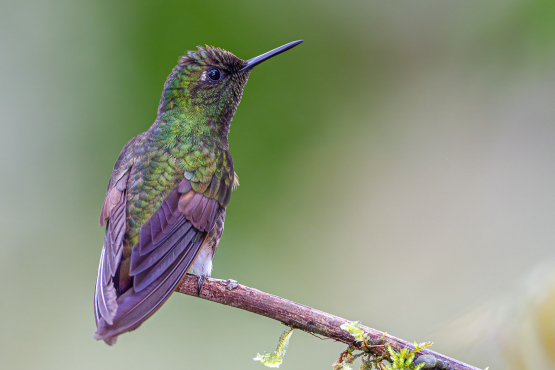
x=166, y=200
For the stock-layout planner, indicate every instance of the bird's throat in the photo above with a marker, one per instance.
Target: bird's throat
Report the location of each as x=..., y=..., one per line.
x=179, y=122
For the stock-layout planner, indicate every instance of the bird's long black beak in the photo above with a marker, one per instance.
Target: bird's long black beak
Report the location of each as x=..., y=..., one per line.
x=272, y=53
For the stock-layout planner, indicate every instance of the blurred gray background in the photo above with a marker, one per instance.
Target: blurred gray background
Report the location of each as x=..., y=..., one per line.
x=396, y=168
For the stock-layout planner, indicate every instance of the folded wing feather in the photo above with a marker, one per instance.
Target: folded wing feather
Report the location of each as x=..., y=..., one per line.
x=169, y=242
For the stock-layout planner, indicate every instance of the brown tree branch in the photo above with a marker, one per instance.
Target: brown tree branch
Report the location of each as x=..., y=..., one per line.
x=296, y=315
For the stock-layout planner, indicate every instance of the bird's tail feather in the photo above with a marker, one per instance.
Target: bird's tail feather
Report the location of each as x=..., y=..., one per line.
x=135, y=307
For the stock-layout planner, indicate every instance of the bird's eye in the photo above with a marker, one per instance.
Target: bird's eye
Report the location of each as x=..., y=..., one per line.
x=214, y=74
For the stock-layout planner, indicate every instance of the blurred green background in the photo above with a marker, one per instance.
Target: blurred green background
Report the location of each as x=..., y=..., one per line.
x=396, y=168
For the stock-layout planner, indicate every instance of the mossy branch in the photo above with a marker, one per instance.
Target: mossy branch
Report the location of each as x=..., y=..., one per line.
x=298, y=316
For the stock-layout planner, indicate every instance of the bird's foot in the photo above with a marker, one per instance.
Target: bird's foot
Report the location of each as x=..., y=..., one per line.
x=200, y=282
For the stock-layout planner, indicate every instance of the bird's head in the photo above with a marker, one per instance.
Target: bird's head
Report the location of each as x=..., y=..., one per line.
x=206, y=86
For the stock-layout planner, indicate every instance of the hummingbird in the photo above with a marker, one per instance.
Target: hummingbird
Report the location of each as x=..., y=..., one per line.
x=166, y=200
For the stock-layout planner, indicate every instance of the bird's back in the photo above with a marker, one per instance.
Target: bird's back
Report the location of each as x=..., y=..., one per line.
x=142, y=193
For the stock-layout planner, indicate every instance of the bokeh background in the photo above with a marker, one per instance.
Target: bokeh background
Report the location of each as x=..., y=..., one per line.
x=396, y=168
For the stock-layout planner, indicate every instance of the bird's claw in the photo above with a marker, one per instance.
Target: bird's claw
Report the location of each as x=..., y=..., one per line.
x=200, y=282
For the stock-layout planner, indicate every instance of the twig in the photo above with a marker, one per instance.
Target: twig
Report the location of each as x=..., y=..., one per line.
x=293, y=314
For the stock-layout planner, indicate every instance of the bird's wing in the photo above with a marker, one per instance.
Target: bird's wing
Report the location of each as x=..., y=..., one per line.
x=113, y=213
x=114, y=208
x=169, y=241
